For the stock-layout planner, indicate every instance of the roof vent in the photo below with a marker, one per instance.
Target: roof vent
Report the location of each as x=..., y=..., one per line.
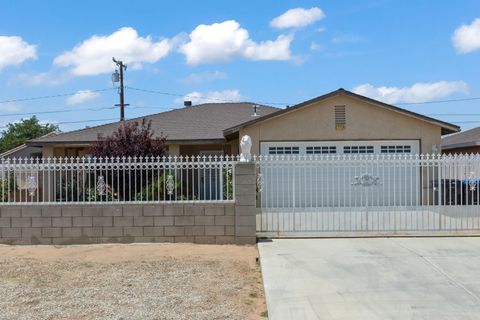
x=187, y=104
x=256, y=109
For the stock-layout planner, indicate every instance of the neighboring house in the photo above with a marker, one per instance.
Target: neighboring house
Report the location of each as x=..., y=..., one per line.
x=463, y=142
x=339, y=122
x=24, y=151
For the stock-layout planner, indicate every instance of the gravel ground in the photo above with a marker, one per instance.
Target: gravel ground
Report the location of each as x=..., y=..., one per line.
x=175, y=281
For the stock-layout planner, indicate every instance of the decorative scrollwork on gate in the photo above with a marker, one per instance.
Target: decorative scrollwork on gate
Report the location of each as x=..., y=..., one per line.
x=101, y=187
x=31, y=185
x=170, y=184
x=366, y=180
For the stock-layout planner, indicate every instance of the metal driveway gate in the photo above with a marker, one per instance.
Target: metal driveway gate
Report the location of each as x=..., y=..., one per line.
x=353, y=195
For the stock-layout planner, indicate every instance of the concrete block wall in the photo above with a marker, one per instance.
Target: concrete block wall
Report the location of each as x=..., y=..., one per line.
x=227, y=223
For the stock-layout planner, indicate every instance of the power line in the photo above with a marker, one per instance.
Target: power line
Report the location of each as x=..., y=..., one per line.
x=55, y=111
x=82, y=121
x=438, y=101
x=52, y=96
x=197, y=96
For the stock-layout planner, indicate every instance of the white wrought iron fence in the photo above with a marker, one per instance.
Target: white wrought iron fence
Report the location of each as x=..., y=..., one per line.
x=364, y=193
x=117, y=179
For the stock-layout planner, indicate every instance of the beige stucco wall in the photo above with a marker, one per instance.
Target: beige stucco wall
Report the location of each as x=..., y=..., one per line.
x=364, y=122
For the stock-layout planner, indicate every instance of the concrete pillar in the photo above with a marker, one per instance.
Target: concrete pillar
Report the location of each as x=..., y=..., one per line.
x=245, y=203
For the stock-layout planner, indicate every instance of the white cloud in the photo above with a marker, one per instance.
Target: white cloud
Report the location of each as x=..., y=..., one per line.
x=322, y=29
x=315, y=46
x=94, y=55
x=346, y=38
x=467, y=37
x=419, y=92
x=202, y=77
x=10, y=107
x=42, y=78
x=82, y=96
x=212, y=97
x=297, y=17
x=14, y=51
x=221, y=42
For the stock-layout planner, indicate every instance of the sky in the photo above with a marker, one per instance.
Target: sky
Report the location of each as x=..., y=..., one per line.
x=55, y=56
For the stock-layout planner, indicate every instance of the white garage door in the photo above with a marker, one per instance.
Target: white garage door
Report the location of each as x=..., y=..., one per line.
x=285, y=186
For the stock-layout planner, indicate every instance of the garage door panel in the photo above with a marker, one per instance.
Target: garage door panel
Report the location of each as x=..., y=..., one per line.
x=328, y=183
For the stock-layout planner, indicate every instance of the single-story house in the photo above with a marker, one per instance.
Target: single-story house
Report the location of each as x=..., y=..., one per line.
x=24, y=151
x=463, y=142
x=339, y=122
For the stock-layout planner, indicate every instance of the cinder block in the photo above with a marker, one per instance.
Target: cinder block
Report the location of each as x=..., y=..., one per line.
x=156, y=210
x=31, y=232
x=164, y=239
x=248, y=231
x=144, y=239
x=112, y=211
x=82, y=221
x=123, y=221
x=92, y=232
x=10, y=212
x=245, y=240
x=42, y=222
x=112, y=232
x=194, y=210
x=194, y=230
x=174, y=231
x=245, y=199
x=245, y=189
x=217, y=210
x=5, y=223
x=245, y=211
x=64, y=222
x=133, y=231
x=173, y=210
x=214, y=230
x=244, y=169
x=102, y=221
x=132, y=211
x=184, y=221
x=225, y=220
x=225, y=240
x=51, y=232
x=204, y=221
x=248, y=179
x=89, y=211
x=21, y=222
x=20, y=241
x=230, y=209
x=72, y=211
x=246, y=220
x=143, y=221
x=184, y=239
x=31, y=211
x=153, y=231
x=52, y=211
x=205, y=240
x=164, y=221
x=71, y=232
x=229, y=230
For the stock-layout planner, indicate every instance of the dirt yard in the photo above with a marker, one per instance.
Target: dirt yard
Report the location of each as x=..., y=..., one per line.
x=137, y=281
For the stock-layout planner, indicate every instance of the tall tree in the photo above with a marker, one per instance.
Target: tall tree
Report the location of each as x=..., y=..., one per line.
x=17, y=133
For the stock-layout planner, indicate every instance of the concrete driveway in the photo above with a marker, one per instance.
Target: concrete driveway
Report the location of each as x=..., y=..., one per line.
x=372, y=278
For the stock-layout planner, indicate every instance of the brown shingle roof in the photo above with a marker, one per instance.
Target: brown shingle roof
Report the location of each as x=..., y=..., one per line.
x=469, y=138
x=202, y=122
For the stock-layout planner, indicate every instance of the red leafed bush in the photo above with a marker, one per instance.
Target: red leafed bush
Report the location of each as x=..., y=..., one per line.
x=131, y=139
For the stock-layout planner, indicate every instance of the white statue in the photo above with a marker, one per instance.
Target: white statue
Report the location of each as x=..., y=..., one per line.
x=245, y=147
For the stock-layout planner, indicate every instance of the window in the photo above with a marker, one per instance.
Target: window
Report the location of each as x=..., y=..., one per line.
x=322, y=150
x=340, y=118
x=358, y=149
x=283, y=150
x=396, y=149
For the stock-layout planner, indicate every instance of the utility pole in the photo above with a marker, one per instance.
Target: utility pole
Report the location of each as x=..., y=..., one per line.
x=115, y=78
